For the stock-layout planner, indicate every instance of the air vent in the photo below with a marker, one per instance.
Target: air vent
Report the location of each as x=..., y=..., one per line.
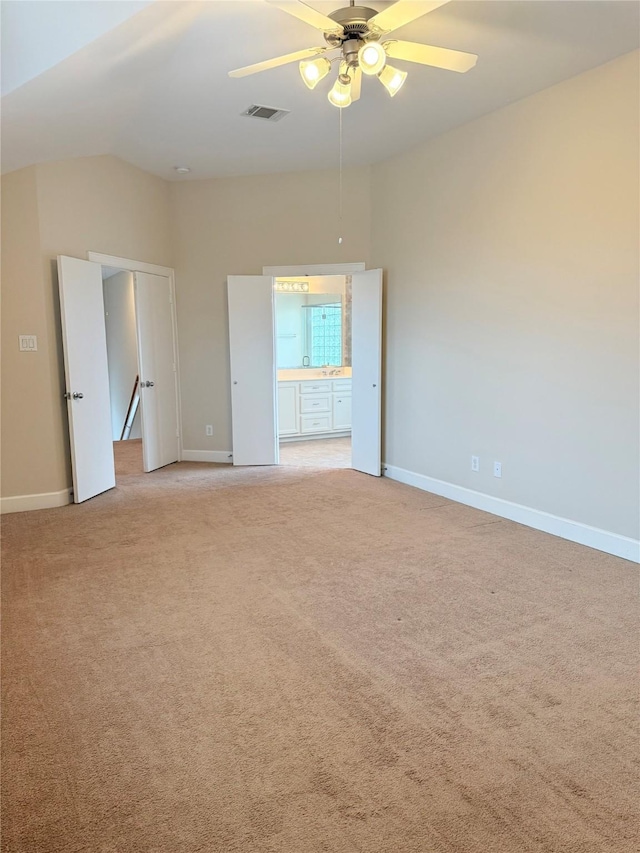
x=266, y=113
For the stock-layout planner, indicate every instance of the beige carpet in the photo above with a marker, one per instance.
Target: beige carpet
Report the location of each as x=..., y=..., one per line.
x=294, y=661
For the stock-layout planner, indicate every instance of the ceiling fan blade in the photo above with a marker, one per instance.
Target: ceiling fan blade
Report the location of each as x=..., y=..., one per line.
x=310, y=16
x=279, y=60
x=356, y=83
x=426, y=54
x=401, y=13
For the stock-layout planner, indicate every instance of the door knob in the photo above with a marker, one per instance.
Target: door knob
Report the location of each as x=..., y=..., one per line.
x=77, y=396
x=149, y=384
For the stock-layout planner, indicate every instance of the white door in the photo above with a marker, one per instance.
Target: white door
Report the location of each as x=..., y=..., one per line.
x=253, y=369
x=157, y=361
x=366, y=360
x=87, y=377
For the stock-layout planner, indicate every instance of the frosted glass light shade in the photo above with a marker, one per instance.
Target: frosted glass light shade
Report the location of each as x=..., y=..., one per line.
x=313, y=70
x=392, y=79
x=340, y=95
x=371, y=57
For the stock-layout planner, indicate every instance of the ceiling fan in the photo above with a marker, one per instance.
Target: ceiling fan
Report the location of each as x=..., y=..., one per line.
x=359, y=34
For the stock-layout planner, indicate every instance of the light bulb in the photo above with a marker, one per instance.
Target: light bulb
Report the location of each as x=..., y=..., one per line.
x=392, y=79
x=371, y=57
x=340, y=95
x=313, y=70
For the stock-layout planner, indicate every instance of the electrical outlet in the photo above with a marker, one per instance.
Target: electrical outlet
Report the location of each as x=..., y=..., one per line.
x=497, y=469
x=209, y=429
x=28, y=343
x=475, y=463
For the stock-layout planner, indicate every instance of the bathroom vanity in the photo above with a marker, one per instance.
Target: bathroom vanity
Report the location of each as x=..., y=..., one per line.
x=313, y=404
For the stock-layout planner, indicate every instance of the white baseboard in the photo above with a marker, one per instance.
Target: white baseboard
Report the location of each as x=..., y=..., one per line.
x=24, y=503
x=574, y=531
x=207, y=456
x=314, y=436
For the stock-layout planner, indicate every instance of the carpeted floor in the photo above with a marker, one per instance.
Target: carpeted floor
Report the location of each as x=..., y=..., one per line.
x=210, y=660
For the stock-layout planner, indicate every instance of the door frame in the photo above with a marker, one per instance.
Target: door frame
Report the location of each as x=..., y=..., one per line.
x=319, y=270
x=168, y=272
x=314, y=269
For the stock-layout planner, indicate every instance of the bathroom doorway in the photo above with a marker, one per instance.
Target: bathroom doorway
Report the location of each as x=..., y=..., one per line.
x=314, y=370
x=255, y=419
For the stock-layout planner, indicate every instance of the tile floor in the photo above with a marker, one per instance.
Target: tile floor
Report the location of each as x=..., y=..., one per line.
x=318, y=453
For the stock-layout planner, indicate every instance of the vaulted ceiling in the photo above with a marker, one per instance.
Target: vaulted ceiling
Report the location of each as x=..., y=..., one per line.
x=147, y=81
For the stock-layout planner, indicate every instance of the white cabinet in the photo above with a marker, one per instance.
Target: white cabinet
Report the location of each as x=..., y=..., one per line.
x=315, y=423
x=315, y=403
x=288, y=408
x=342, y=411
x=321, y=386
x=321, y=407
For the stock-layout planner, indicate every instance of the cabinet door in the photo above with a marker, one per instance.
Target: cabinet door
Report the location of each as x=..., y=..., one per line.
x=342, y=411
x=287, y=408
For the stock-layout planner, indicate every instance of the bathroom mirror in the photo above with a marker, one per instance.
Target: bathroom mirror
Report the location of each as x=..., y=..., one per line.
x=311, y=330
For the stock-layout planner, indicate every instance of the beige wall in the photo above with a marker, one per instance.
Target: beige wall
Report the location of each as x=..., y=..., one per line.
x=237, y=226
x=511, y=251
x=91, y=204
x=29, y=448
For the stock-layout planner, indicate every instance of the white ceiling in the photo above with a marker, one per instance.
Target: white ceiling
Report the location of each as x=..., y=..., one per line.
x=147, y=81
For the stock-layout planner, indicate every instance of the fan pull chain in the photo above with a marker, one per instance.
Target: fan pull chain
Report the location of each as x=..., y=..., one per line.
x=340, y=185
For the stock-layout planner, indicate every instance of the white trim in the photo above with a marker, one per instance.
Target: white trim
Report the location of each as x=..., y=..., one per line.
x=225, y=456
x=314, y=436
x=128, y=264
x=46, y=500
x=314, y=269
x=565, y=528
x=153, y=269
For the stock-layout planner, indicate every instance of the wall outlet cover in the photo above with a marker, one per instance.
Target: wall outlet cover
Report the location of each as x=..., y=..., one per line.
x=28, y=343
x=497, y=469
x=475, y=463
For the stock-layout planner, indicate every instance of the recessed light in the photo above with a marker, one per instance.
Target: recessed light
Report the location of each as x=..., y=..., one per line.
x=182, y=170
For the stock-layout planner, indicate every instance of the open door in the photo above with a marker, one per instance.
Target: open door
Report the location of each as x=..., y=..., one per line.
x=253, y=369
x=366, y=359
x=87, y=377
x=157, y=363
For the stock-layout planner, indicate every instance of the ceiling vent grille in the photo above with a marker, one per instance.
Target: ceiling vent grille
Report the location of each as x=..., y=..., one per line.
x=265, y=113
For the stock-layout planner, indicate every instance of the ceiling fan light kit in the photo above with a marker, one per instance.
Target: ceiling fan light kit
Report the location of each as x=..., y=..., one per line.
x=392, y=79
x=340, y=94
x=356, y=31
x=313, y=71
x=371, y=57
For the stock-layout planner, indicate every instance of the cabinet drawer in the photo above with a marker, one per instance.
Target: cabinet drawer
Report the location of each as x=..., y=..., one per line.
x=342, y=385
x=319, y=387
x=311, y=403
x=315, y=423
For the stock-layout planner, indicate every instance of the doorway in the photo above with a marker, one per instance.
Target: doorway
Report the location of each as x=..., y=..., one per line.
x=313, y=370
x=118, y=323
x=258, y=421
x=124, y=372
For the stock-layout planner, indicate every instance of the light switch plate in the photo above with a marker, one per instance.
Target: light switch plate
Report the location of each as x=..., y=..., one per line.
x=28, y=343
